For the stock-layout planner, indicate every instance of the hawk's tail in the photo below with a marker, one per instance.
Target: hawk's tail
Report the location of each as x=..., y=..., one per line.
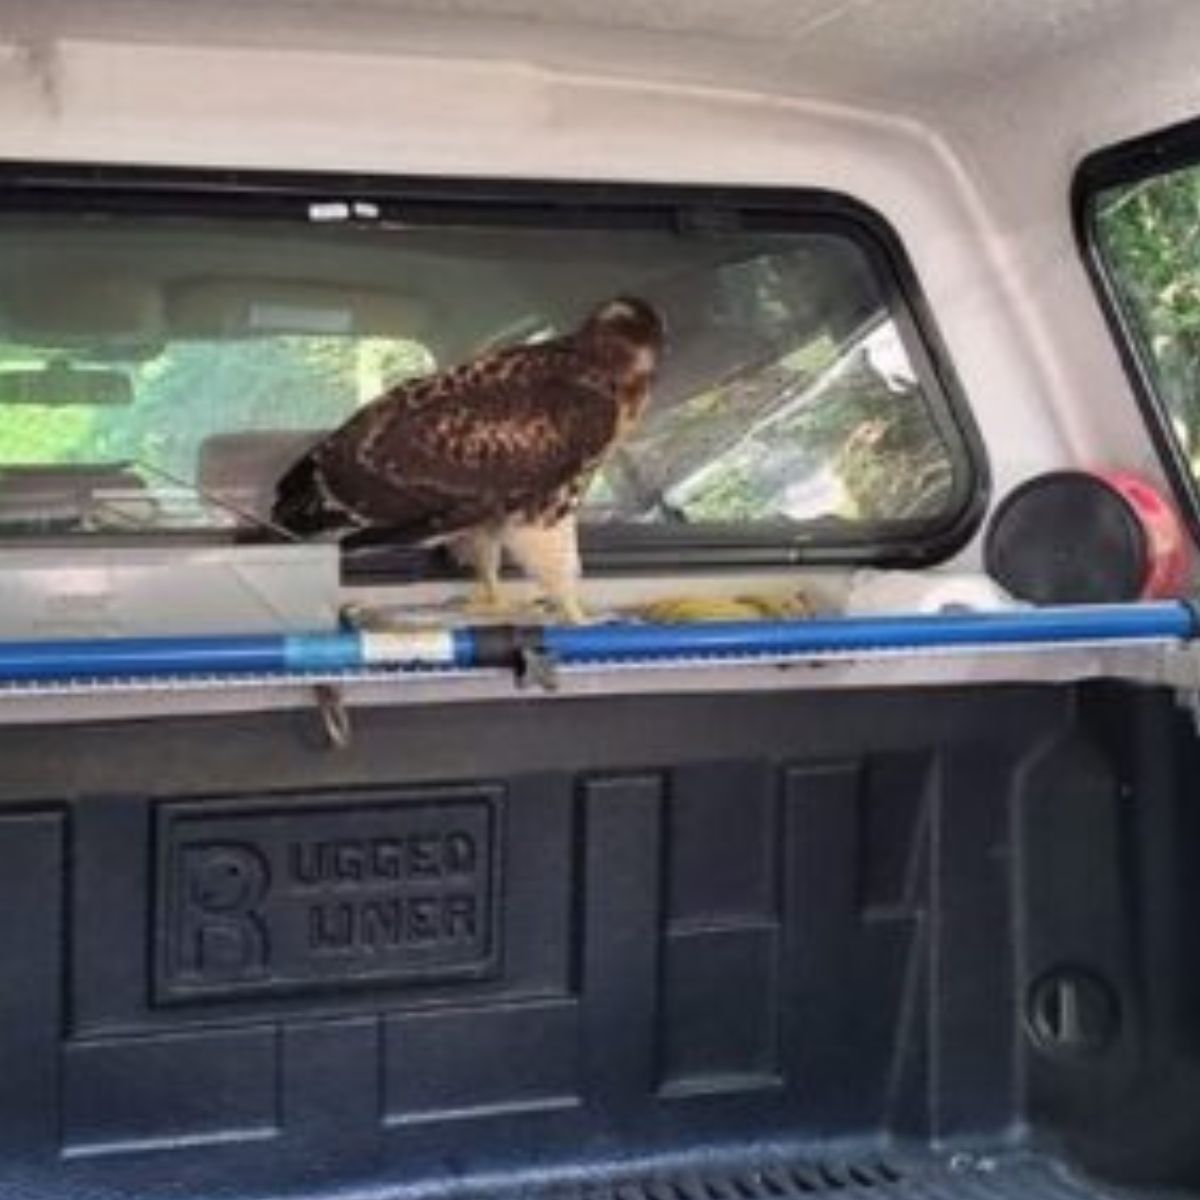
x=300, y=505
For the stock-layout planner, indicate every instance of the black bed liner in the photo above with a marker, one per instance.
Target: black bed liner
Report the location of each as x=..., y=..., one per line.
x=963, y=1177
x=878, y=944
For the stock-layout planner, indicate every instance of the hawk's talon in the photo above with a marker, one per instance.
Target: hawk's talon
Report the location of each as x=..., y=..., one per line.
x=485, y=601
x=573, y=613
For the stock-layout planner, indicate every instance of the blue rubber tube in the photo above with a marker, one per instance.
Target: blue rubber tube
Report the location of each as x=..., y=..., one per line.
x=139, y=657
x=300, y=654
x=285, y=654
x=1046, y=626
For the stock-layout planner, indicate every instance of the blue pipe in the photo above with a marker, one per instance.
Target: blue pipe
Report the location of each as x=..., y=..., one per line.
x=140, y=658
x=1045, y=626
x=298, y=654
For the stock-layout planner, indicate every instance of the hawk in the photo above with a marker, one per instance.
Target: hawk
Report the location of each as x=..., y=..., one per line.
x=490, y=457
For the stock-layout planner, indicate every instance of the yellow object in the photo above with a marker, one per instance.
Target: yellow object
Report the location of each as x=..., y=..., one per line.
x=678, y=610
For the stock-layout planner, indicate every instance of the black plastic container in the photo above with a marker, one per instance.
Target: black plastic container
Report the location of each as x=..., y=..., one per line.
x=1079, y=537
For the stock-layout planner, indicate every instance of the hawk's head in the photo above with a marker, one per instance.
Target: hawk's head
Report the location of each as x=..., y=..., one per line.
x=630, y=326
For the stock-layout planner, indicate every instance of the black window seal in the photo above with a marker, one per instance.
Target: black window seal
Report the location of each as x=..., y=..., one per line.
x=1128, y=162
x=27, y=186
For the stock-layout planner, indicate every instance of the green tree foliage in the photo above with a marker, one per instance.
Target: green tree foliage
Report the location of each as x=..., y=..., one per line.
x=893, y=463
x=34, y=434
x=1149, y=233
x=193, y=390
x=822, y=416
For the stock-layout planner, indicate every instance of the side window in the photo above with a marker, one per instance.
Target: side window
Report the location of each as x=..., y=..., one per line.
x=1149, y=234
x=1139, y=206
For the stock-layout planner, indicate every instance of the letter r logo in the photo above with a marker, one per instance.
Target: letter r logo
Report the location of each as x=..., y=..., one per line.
x=219, y=932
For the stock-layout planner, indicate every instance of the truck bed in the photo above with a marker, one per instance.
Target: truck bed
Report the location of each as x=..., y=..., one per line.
x=876, y=944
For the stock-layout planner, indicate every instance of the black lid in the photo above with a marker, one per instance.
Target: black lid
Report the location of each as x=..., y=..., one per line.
x=1067, y=538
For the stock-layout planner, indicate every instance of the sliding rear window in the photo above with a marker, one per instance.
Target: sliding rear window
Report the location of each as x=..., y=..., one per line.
x=1138, y=208
x=169, y=345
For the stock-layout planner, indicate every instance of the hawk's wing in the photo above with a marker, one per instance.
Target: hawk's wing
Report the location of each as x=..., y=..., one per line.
x=513, y=432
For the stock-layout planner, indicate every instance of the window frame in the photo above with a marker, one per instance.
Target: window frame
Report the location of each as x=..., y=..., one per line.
x=1129, y=162
x=273, y=195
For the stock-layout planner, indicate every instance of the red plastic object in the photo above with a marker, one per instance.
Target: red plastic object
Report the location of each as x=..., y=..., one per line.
x=1168, y=549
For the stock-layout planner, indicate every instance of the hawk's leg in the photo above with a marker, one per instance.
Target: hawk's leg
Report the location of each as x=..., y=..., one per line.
x=481, y=551
x=550, y=555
